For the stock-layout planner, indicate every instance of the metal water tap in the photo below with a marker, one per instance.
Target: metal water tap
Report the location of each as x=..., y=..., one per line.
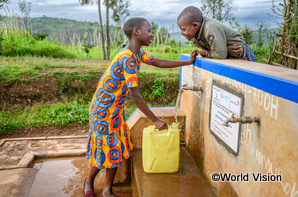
x=242, y=119
x=184, y=87
x=192, y=88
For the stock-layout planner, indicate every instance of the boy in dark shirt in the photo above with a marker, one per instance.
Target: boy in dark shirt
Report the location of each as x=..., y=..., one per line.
x=214, y=39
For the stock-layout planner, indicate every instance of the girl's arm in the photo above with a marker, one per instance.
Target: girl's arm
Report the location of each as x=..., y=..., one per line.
x=162, y=63
x=139, y=101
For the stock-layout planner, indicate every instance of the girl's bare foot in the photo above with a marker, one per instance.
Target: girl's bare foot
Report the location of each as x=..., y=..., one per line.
x=88, y=186
x=108, y=194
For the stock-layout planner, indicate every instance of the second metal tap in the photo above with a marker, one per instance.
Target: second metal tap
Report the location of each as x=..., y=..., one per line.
x=242, y=119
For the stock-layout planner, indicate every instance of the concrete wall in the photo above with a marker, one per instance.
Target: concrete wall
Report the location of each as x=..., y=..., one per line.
x=271, y=146
x=138, y=121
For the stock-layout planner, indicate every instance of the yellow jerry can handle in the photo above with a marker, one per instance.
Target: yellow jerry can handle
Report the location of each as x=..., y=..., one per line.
x=157, y=130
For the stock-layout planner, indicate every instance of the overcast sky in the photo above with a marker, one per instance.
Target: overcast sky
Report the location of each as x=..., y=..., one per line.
x=163, y=12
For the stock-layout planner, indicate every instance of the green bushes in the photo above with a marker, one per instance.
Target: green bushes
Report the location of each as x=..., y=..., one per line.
x=23, y=44
x=159, y=88
x=260, y=52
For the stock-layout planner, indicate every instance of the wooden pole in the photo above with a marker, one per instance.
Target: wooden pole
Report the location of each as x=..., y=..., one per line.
x=287, y=55
x=273, y=63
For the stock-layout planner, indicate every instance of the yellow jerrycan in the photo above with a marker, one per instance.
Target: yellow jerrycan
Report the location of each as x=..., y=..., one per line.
x=160, y=149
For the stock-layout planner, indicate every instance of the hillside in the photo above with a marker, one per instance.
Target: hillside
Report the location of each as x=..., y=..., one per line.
x=63, y=29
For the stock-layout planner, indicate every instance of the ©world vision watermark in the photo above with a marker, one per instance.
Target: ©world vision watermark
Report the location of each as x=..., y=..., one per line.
x=246, y=177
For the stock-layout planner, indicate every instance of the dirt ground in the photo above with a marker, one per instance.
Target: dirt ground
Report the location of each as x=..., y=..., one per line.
x=72, y=129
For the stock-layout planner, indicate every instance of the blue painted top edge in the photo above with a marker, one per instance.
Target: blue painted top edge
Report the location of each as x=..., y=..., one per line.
x=150, y=109
x=280, y=87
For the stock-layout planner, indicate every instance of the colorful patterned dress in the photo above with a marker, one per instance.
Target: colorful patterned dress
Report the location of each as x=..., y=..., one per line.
x=109, y=137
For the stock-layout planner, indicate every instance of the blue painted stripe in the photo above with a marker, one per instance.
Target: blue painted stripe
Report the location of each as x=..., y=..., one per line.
x=151, y=108
x=280, y=87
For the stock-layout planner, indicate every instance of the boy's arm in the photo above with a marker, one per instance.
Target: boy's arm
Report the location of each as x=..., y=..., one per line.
x=163, y=63
x=217, y=41
x=140, y=103
x=233, y=50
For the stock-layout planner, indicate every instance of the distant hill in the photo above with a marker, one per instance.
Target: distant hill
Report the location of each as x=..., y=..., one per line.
x=177, y=36
x=66, y=30
x=265, y=36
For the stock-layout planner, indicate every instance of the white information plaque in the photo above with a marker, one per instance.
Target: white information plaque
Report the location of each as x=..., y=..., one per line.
x=223, y=104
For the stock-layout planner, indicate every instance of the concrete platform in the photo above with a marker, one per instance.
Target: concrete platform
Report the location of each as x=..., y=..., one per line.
x=53, y=166
x=56, y=166
x=187, y=182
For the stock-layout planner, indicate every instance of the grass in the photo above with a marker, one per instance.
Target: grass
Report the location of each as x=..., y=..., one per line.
x=260, y=52
x=15, y=68
x=49, y=114
x=57, y=114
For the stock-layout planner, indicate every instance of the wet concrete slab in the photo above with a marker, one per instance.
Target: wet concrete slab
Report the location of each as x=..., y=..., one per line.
x=65, y=177
x=188, y=181
x=16, y=182
x=59, y=168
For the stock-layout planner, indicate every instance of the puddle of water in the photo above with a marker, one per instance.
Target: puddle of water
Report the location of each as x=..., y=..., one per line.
x=59, y=177
x=64, y=177
x=37, y=166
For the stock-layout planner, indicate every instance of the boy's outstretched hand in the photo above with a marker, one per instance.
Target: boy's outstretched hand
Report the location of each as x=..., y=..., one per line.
x=160, y=124
x=193, y=56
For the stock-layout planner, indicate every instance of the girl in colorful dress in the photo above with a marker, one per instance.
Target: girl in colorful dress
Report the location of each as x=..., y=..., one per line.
x=109, y=137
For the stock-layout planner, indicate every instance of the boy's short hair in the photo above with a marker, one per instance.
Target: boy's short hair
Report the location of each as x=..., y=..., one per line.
x=191, y=14
x=131, y=24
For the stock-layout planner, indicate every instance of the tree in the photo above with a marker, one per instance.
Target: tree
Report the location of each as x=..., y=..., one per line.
x=287, y=45
x=220, y=10
x=261, y=27
x=160, y=35
x=91, y=2
x=154, y=31
x=247, y=35
x=108, y=28
x=25, y=9
x=120, y=11
x=110, y=4
x=154, y=28
x=86, y=45
x=164, y=35
x=2, y=4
